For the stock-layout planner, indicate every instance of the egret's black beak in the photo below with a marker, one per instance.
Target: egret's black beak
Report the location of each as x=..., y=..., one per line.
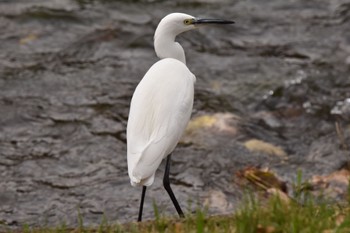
x=212, y=21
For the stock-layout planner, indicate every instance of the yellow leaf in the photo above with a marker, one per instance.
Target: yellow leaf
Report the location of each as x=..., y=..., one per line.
x=255, y=145
x=29, y=38
x=263, y=179
x=205, y=121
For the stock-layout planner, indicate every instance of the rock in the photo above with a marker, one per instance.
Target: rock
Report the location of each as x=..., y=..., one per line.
x=218, y=200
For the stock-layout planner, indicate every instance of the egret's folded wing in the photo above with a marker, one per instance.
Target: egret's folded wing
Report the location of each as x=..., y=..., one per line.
x=159, y=113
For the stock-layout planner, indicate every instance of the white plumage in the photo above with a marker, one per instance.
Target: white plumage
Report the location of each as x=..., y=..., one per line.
x=160, y=110
x=161, y=105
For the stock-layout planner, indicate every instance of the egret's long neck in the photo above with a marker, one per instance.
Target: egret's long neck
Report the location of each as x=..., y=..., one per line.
x=165, y=45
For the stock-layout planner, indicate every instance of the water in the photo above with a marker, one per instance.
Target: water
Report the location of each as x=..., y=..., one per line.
x=68, y=70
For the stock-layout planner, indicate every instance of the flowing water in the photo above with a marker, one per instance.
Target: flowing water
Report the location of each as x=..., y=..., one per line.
x=68, y=70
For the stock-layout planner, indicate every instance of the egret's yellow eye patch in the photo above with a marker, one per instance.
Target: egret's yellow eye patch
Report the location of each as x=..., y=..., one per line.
x=188, y=21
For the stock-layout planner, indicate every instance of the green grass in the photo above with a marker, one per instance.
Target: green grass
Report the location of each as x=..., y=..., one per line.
x=258, y=213
x=253, y=216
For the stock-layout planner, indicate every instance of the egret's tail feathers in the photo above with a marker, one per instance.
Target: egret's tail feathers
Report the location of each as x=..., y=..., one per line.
x=142, y=182
x=142, y=166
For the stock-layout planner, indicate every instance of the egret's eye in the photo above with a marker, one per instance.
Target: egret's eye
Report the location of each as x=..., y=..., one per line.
x=187, y=21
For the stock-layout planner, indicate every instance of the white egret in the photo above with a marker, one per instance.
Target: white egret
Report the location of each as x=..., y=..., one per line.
x=161, y=105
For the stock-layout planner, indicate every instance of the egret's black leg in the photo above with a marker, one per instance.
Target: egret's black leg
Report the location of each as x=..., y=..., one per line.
x=141, y=203
x=166, y=183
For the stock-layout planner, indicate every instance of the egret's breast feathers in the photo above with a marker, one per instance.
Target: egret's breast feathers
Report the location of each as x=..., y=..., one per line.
x=159, y=112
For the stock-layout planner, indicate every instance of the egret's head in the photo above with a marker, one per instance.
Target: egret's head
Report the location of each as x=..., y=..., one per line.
x=177, y=23
x=171, y=26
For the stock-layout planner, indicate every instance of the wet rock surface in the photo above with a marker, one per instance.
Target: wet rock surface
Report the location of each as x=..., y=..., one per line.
x=68, y=70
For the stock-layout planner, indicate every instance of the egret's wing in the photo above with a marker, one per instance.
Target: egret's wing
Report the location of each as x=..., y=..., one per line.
x=159, y=112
